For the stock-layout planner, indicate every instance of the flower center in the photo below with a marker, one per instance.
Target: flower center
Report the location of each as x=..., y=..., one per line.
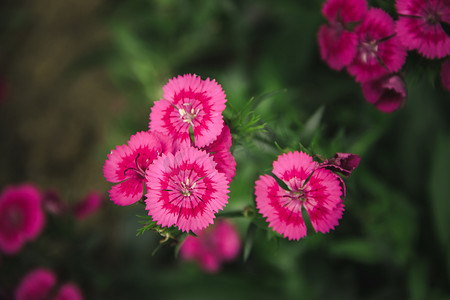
x=368, y=50
x=432, y=18
x=188, y=113
x=187, y=188
x=298, y=195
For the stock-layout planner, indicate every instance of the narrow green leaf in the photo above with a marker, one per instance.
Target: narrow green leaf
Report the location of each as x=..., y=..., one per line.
x=249, y=239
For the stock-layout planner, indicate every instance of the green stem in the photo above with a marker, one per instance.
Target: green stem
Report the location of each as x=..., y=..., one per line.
x=231, y=214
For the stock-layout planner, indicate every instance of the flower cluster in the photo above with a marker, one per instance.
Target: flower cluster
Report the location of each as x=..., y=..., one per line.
x=40, y=284
x=311, y=186
x=373, y=47
x=182, y=164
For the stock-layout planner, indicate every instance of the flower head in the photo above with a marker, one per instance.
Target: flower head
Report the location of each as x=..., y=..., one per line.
x=445, y=74
x=212, y=246
x=88, y=205
x=185, y=189
x=344, y=163
x=379, y=50
x=317, y=190
x=337, y=42
x=387, y=93
x=39, y=285
x=126, y=165
x=21, y=217
x=189, y=101
x=420, y=26
x=220, y=151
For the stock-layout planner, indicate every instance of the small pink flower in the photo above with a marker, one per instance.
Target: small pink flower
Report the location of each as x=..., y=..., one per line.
x=344, y=163
x=189, y=101
x=21, y=217
x=314, y=189
x=88, y=205
x=53, y=203
x=379, y=50
x=126, y=165
x=445, y=74
x=39, y=284
x=220, y=151
x=212, y=246
x=185, y=189
x=420, y=26
x=337, y=42
x=36, y=285
x=387, y=94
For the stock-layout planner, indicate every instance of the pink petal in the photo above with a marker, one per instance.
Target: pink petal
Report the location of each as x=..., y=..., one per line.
x=387, y=94
x=88, y=205
x=127, y=192
x=445, y=74
x=344, y=10
x=36, y=285
x=69, y=291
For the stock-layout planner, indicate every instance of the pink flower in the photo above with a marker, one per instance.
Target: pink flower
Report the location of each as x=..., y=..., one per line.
x=220, y=151
x=189, y=101
x=314, y=189
x=185, y=189
x=126, y=165
x=36, y=285
x=445, y=74
x=39, y=284
x=88, y=205
x=387, y=93
x=379, y=50
x=53, y=203
x=420, y=26
x=21, y=217
x=337, y=42
x=213, y=246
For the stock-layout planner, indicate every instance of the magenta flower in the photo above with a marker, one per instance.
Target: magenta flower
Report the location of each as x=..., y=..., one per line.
x=317, y=190
x=126, y=165
x=212, y=247
x=39, y=284
x=21, y=217
x=220, y=151
x=379, y=50
x=420, y=26
x=189, y=101
x=445, y=74
x=185, y=189
x=387, y=93
x=88, y=205
x=337, y=42
x=53, y=203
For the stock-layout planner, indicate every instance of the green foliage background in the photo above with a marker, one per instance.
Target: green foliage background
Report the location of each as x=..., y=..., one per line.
x=393, y=241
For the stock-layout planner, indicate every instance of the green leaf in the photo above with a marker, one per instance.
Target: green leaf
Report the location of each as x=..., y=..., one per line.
x=249, y=239
x=312, y=125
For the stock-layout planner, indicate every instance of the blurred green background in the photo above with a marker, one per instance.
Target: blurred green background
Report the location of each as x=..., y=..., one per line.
x=80, y=77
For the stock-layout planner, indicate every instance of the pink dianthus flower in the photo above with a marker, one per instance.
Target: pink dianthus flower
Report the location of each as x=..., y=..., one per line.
x=185, y=189
x=420, y=26
x=445, y=74
x=387, y=94
x=317, y=190
x=220, y=151
x=126, y=165
x=337, y=42
x=21, y=217
x=39, y=285
x=189, y=101
x=212, y=246
x=379, y=50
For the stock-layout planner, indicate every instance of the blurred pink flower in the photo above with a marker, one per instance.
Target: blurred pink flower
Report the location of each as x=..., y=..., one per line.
x=185, y=189
x=379, y=50
x=53, y=203
x=189, y=101
x=344, y=163
x=126, y=165
x=214, y=245
x=21, y=217
x=88, y=205
x=220, y=151
x=445, y=74
x=337, y=42
x=387, y=94
x=420, y=26
x=314, y=189
x=39, y=284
